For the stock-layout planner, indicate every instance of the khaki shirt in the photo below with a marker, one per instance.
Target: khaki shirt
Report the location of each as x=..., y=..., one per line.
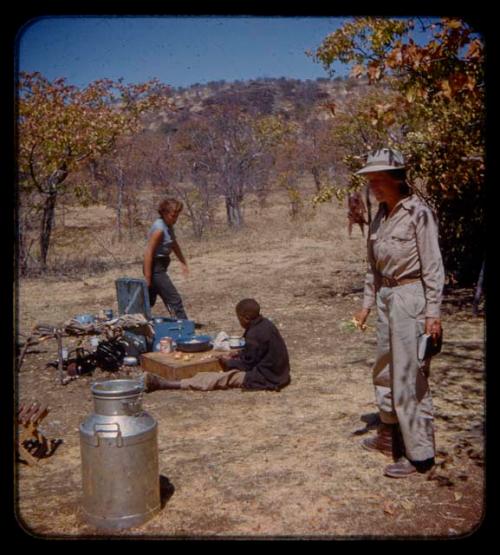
x=405, y=245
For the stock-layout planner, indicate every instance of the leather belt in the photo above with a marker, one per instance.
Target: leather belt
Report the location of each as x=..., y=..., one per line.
x=391, y=282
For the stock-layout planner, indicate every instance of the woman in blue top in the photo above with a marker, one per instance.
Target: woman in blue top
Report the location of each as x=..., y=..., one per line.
x=161, y=242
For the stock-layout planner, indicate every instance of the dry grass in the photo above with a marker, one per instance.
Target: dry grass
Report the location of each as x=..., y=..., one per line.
x=260, y=464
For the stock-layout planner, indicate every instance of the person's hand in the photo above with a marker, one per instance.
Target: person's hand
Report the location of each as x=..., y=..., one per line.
x=148, y=281
x=185, y=269
x=360, y=317
x=433, y=328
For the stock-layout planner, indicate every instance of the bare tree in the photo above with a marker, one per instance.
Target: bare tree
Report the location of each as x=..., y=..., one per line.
x=243, y=163
x=122, y=173
x=319, y=151
x=27, y=232
x=174, y=166
x=224, y=153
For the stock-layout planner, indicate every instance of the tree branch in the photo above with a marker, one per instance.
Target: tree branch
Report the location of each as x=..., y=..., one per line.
x=32, y=170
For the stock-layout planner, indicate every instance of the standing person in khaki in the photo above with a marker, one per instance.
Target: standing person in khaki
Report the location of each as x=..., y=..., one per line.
x=161, y=242
x=405, y=281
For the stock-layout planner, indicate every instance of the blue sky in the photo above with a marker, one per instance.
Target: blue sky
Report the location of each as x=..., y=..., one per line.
x=179, y=51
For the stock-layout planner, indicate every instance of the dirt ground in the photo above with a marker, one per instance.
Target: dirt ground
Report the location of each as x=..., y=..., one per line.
x=260, y=464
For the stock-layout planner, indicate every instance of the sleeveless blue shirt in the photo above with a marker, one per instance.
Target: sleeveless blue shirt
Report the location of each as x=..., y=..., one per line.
x=165, y=246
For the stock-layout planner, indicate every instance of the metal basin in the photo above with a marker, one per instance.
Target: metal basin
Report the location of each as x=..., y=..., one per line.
x=194, y=344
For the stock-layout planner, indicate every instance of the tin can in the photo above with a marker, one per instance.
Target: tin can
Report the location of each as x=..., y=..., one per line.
x=108, y=313
x=166, y=345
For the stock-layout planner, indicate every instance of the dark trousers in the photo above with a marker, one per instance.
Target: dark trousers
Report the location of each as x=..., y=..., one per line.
x=162, y=285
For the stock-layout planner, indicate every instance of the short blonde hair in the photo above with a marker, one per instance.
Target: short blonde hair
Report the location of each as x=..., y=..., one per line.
x=170, y=205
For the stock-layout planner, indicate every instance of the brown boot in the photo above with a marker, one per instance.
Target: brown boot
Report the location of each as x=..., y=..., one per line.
x=403, y=467
x=383, y=441
x=152, y=382
x=400, y=469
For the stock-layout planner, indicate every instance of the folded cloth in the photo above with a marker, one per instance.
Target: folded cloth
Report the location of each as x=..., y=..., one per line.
x=221, y=342
x=137, y=322
x=132, y=321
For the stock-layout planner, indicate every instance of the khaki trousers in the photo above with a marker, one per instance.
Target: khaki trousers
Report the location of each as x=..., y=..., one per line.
x=207, y=381
x=400, y=379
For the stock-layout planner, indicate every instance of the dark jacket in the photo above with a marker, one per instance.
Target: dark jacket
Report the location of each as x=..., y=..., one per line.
x=264, y=357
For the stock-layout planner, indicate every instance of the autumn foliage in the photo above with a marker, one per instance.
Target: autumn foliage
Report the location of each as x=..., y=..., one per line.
x=435, y=114
x=59, y=127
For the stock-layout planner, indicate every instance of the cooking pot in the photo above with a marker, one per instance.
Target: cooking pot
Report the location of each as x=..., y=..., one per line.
x=194, y=343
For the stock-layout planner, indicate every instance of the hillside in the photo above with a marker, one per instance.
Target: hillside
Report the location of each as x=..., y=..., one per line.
x=262, y=96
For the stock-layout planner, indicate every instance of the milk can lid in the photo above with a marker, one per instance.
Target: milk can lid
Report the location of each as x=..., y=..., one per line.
x=111, y=389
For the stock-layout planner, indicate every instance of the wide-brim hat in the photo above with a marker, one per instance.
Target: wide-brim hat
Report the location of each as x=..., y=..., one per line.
x=385, y=159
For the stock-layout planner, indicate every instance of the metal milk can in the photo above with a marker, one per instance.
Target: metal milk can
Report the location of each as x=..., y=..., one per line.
x=119, y=451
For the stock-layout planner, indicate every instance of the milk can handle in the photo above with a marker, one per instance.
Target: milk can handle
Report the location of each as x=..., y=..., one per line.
x=118, y=437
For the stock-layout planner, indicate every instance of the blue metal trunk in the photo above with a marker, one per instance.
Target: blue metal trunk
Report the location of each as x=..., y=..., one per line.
x=169, y=327
x=133, y=298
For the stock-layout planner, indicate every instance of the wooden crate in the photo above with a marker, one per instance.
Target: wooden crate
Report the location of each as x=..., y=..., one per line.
x=167, y=366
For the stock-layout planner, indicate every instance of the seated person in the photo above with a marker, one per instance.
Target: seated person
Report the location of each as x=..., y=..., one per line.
x=263, y=362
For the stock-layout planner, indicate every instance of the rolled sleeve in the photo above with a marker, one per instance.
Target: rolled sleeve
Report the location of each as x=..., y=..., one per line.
x=431, y=262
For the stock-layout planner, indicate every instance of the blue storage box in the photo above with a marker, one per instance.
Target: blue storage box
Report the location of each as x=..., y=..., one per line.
x=170, y=327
